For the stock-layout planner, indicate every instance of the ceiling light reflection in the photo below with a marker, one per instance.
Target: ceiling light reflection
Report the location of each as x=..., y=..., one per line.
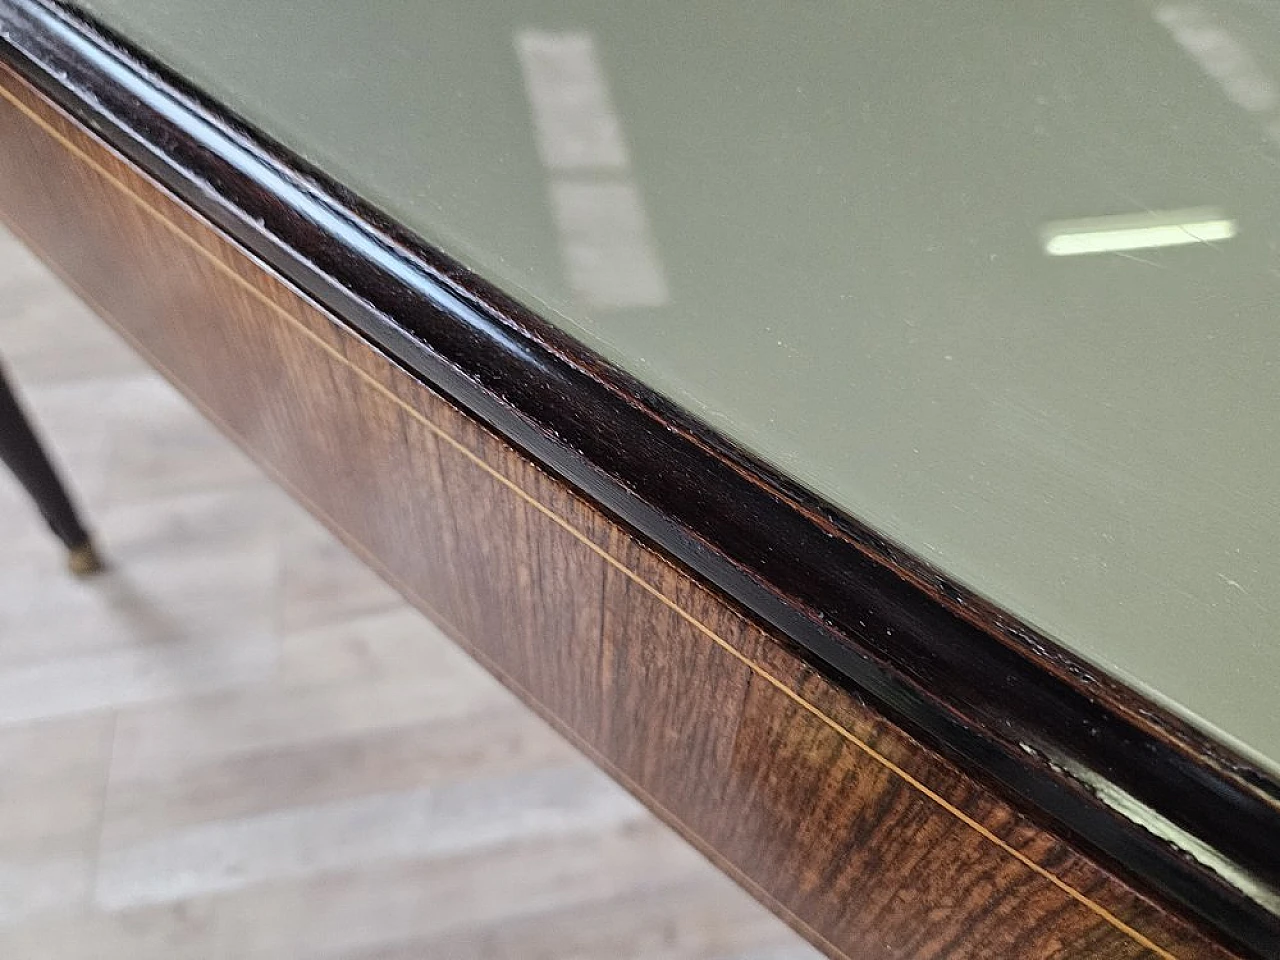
x=1172, y=228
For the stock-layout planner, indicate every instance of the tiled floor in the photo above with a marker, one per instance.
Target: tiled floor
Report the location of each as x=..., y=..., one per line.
x=240, y=743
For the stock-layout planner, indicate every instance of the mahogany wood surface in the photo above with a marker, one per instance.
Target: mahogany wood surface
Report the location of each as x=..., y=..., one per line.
x=1173, y=810
x=869, y=843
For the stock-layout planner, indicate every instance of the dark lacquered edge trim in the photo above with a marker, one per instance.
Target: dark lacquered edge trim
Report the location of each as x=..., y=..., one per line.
x=968, y=679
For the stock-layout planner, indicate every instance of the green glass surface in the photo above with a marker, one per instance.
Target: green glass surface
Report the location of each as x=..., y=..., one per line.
x=1001, y=280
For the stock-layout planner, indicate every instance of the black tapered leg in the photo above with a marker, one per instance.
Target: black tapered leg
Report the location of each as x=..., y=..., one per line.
x=21, y=451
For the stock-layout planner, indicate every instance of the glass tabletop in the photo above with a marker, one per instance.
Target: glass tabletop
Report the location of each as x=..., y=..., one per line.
x=1001, y=281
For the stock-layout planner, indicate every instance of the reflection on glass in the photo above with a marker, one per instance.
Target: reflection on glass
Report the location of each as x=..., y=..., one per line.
x=604, y=237
x=1145, y=231
x=575, y=123
x=1220, y=54
x=603, y=230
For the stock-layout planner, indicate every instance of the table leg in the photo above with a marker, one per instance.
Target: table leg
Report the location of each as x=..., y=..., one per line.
x=21, y=451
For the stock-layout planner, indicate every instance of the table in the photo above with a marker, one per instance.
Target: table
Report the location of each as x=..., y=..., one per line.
x=846, y=427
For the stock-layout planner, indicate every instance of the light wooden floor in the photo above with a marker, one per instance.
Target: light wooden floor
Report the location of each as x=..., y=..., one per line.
x=240, y=743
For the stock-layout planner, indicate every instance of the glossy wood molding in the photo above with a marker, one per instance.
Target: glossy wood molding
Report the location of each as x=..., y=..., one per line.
x=1174, y=811
x=868, y=842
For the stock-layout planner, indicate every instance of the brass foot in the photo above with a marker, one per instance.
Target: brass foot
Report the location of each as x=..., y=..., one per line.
x=83, y=560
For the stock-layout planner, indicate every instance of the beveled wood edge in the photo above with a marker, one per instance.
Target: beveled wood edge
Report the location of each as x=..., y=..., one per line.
x=459, y=446
x=986, y=750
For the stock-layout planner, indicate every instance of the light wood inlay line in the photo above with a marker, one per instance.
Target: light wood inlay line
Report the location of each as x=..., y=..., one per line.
x=215, y=261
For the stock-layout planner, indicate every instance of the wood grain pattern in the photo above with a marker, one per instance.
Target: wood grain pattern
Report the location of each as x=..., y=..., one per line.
x=868, y=843
x=1007, y=705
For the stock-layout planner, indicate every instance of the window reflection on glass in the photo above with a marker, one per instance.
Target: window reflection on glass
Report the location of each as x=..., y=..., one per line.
x=604, y=235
